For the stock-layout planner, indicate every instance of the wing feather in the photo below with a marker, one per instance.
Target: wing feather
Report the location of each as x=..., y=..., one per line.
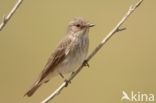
x=57, y=57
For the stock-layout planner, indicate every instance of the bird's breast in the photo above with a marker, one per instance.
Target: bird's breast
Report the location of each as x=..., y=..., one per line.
x=76, y=56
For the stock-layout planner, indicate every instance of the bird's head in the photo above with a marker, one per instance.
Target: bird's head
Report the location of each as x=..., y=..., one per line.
x=79, y=24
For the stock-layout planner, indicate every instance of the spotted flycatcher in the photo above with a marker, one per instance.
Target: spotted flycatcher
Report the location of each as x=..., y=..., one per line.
x=69, y=54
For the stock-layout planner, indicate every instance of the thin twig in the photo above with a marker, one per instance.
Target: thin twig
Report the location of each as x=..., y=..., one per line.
x=116, y=29
x=8, y=17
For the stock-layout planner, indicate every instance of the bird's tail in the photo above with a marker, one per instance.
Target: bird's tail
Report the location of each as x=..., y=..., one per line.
x=32, y=90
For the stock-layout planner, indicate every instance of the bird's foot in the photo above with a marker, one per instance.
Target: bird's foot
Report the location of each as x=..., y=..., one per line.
x=85, y=63
x=67, y=82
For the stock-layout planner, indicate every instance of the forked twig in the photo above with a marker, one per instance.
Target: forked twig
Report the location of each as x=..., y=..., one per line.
x=116, y=29
x=10, y=14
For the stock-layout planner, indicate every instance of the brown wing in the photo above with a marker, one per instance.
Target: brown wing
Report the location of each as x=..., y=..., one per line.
x=57, y=57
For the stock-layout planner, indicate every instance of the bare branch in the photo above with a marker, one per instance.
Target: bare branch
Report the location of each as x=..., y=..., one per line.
x=110, y=34
x=8, y=17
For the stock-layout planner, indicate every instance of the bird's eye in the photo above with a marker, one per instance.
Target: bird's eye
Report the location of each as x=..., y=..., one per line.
x=78, y=25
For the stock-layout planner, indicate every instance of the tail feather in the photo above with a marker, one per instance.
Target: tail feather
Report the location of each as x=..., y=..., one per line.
x=32, y=90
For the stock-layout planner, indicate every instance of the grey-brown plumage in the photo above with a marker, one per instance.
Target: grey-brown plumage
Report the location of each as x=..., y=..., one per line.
x=69, y=54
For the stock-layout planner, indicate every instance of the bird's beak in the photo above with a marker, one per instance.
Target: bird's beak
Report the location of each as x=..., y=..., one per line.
x=91, y=25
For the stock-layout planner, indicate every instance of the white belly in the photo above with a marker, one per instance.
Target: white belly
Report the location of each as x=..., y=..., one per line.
x=75, y=58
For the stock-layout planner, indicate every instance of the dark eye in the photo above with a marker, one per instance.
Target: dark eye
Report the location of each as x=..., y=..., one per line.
x=78, y=25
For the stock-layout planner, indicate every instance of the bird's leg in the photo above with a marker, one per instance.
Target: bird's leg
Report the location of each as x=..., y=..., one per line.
x=85, y=63
x=61, y=75
x=65, y=80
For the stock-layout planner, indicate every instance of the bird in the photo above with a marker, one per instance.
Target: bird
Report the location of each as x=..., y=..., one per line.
x=69, y=54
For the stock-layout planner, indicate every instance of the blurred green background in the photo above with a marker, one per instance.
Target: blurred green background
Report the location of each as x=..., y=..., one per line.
x=127, y=62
